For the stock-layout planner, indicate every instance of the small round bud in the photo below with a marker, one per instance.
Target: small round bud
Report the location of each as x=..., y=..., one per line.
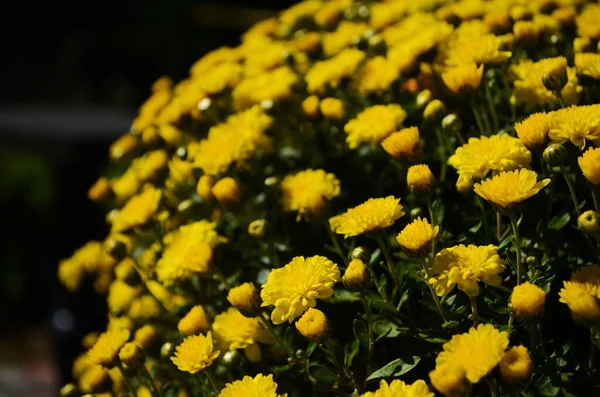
x=313, y=324
x=528, y=300
x=256, y=228
x=231, y=358
x=360, y=253
x=356, y=275
x=449, y=379
x=69, y=390
x=416, y=212
x=300, y=354
x=130, y=354
x=100, y=192
x=452, y=124
x=226, y=191
x=246, y=299
x=167, y=350
x=434, y=110
x=115, y=248
x=253, y=353
x=419, y=178
x=194, y=322
x=94, y=379
x=310, y=107
x=515, y=365
x=555, y=154
x=423, y=98
x=145, y=336
x=204, y=187
x=556, y=78
x=532, y=261
x=332, y=109
x=589, y=222
x=271, y=181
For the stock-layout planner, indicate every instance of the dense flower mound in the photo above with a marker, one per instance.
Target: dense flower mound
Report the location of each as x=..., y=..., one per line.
x=375, y=198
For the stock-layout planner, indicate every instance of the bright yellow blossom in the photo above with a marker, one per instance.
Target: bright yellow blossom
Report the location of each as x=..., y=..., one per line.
x=310, y=106
x=332, y=109
x=144, y=308
x=195, y=353
x=577, y=124
x=329, y=73
x=587, y=22
x=330, y=12
x=273, y=85
x=356, y=275
x=533, y=131
x=303, y=9
x=170, y=300
x=194, y=322
x=125, y=186
x=308, y=191
x=419, y=178
x=373, y=214
x=403, y=143
x=93, y=379
x=463, y=78
x=233, y=330
x=346, y=34
x=259, y=386
x=295, y=287
x=516, y=364
x=107, y=347
x=313, y=324
x=375, y=76
x=511, y=187
x=137, y=211
x=398, y=388
x=450, y=379
x=374, y=124
x=465, y=266
x=245, y=298
x=121, y=295
x=226, y=191
x=477, y=351
x=528, y=300
x=100, y=190
x=484, y=49
x=417, y=235
x=588, y=64
x=582, y=293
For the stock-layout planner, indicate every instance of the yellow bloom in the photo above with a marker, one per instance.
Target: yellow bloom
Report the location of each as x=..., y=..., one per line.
x=308, y=191
x=310, y=106
x=587, y=22
x=130, y=354
x=100, y=190
x=124, y=146
x=577, y=124
x=589, y=222
x=149, y=166
x=171, y=301
x=403, y=143
x=374, y=124
x=533, y=131
x=212, y=59
x=516, y=364
x=204, y=187
x=194, y=322
x=85, y=259
x=509, y=188
x=375, y=76
x=528, y=300
x=125, y=186
x=306, y=8
x=496, y=153
x=273, y=85
x=226, y=191
x=417, y=235
x=529, y=88
x=450, y=379
x=295, y=287
x=384, y=14
x=332, y=109
x=233, y=330
x=256, y=228
x=245, y=298
x=398, y=388
x=419, y=178
x=313, y=324
x=588, y=64
x=330, y=12
x=356, y=275
x=329, y=73
x=582, y=293
x=235, y=140
x=195, y=353
x=477, y=351
x=120, y=296
x=484, y=49
x=145, y=336
x=93, y=379
x=180, y=174
x=138, y=210
x=144, y=307
x=373, y=214
x=346, y=34
x=260, y=385
x=119, y=323
x=465, y=266
x=107, y=347
x=463, y=78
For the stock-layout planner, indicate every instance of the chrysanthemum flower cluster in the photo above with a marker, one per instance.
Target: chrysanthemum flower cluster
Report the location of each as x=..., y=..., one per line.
x=363, y=198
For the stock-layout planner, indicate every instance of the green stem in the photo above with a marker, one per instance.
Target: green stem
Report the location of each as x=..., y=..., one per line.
x=561, y=101
x=477, y=117
x=516, y=244
x=432, y=218
x=153, y=390
x=126, y=379
x=329, y=350
x=499, y=226
x=436, y=300
x=473, y=300
x=493, y=387
x=485, y=119
x=484, y=220
x=571, y=189
x=365, y=303
x=211, y=379
x=390, y=306
x=336, y=244
x=389, y=261
x=441, y=147
x=490, y=103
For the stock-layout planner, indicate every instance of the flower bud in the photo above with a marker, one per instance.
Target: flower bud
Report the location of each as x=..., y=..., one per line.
x=194, y=322
x=528, y=300
x=115, y=248
x=204, y=187
x=89, y=339
x=130, y=354
x=589, y=222
x=434, y=110
x=581, y=44
x=310, y=107
x=555, y=154
x=100, y=192
x=423, y=98
x=360, y=253
x=253, y=353
x=356, y=275
x=231, y=358
x=419, y=178
x=416, y=212
x=94, y=379
x=526, y=32
x=452, y=124
x=515, y=365
x=464, y=183
x=556, y=78
x=246, y=299
x=69, y=390
x=226, y=191
x=125, y=146
x=167, y=350
x=256, y=228
x=332, y=109
x=312, y=325
x=145, y=336
x=449, y=379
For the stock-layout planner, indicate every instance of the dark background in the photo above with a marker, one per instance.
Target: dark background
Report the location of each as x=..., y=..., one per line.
x=72, y=75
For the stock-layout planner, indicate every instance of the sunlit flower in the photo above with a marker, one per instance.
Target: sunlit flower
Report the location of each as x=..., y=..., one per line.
x=145, y=336
x=582, y=293
x=125, y=186
x=374, y=124
x=509, y=188
x=195, y=353
x=330, y=11
x=496, y=153
x=417, y=235
x=303, y=9
x=419, y=178
x=375, y=76
x=528, y=300
x=465, y=266
x=226, y=191
x=295, y=287
x=577, y=124
x=232, y=330
x=121, y=295
x=477, y=351
x=386, y=13
x=307, y=192
x=145, y=307
x=346, y=33
x=170, y=300
x=313, y=324
x=356, y=275
x=588, y=64
x=533, y=131
x=516, y=364
x=587, y=22
x=403, y=143
x=332, y=109
x=450, y=379
x=373, y=214
x=259, y=386
x=107, y=347
x=272, y=85
x=329, y=73
x=463, y=78
x=310, y=106
x=398, y=388
x=138, y=210
x=94, y=379
x=484, y=49
x=194, y=322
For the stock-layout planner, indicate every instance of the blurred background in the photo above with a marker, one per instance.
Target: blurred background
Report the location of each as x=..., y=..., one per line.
x=73, y=74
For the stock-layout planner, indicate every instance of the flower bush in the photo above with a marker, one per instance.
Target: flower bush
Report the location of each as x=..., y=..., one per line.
x=292, y=219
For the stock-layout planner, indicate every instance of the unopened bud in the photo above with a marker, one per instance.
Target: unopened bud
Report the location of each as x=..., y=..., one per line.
x=434, y=110
x=452, y=124
x=423, y=98
x=555, y=154
x=246, y=299
x=588, y=222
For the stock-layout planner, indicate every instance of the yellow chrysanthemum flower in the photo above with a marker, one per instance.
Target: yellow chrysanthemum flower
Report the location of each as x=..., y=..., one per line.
x=107, y=346
x=404, y=143
x=138, y=210
x=330, y=12
x=121, y=295
x=295, y=287
x=577, y=124
x=195, y=353
x=94, y=379
x=272, y=85
x=245, y=298
x=417, y=235
x=125, y=186
x=529, y=88
x=356, y=275
x=145, y=336
x=463, y=78
x=582, y=293
x=588, y=64
x=304, y=9
x=332, y=109
x=419, y=178
x=260, y=386
x=194, y=322
x=373, y=214
x=346, y=34
x=145, y=307
x=496, y=153
x=516, y=364
x=219, y=77
x=374, y=124
x=308, y=191
x=313, y=324
x=398, y=388
x=509, y=188
x=233, y=330
x=528, y=300
x=587, y=22
x=149, y=166
x=375, y=76
x=385, y=14
x=533, y=131
x=589, y=222
x=450, y=379
x=477, y=351
x=484, y=49
x=226, y=191
x=465, y=266
x=330, y=72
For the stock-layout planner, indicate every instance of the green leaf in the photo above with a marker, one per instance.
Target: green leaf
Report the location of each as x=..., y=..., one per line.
x=559, y=221
x=361, y=332
x=343, y=295
x=450, y=324
x=311, y=348
x=350, y=352
x=323, y=374
x=397, y=367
